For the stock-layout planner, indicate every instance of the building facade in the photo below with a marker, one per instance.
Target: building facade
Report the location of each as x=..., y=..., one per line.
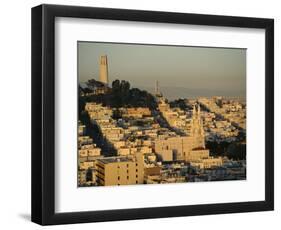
x=120, y=170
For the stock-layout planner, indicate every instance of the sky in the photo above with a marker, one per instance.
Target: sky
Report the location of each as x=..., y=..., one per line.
x=181, y=71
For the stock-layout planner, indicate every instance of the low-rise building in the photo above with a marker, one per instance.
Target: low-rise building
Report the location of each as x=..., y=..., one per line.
x=206, y=163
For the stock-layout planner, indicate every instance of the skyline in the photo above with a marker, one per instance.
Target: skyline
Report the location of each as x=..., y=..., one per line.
x=181, y=71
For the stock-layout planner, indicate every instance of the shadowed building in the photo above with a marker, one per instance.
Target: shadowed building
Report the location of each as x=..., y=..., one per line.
x=103, y=70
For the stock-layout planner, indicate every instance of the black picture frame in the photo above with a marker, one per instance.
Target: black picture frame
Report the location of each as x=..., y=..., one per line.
x=43, y=114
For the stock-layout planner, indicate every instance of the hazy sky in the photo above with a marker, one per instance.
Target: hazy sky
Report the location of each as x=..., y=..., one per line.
x=185, y=71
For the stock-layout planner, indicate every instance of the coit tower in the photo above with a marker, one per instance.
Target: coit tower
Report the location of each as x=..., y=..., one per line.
x=103, y=70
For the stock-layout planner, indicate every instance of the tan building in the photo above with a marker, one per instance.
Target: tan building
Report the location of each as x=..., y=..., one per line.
x=207, y=163
x=162, y=105
x=196, y=154
x=89, y=150
x=84, y=140
x=152, y=171
x=138, y=112
x=123, y=151
x=178, y=147
x=120, y=170
x=86, y=165
x=165, y=154
x=82, y=177
x=81, y=130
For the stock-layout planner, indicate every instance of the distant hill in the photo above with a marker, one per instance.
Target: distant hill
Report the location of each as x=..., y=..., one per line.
x=172, y=92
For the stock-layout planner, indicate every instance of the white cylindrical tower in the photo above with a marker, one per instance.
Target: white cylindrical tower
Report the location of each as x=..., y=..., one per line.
x=103, y=70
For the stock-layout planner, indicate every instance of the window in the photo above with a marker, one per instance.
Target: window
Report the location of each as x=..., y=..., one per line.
x=137, y=170
x=118, y=177
x=136, y=182
x=127, y=177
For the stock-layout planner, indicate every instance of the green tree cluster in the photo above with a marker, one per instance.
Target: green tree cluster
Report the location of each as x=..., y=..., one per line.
x=121, y=95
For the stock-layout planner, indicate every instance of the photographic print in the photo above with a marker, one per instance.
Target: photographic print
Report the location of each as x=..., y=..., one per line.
x=155, y=114
x=132, y=103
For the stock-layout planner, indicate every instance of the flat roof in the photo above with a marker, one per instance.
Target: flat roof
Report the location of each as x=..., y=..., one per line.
x=108, y=160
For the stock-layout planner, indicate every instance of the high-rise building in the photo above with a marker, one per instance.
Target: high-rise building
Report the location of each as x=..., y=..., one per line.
x=103, y=70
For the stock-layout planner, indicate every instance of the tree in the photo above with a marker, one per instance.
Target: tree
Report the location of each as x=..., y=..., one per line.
x=116, y=114
x=122, y=95
x=236, y=151
x=179, y=103
x=125, y=86
x=241, y=136
x=89, y=175
x=115, y=86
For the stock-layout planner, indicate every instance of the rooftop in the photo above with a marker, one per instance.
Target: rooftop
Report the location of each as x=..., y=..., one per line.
x=108, y=160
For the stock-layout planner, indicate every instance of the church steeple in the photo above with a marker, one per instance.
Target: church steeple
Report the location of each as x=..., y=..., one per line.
x=196, y=123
